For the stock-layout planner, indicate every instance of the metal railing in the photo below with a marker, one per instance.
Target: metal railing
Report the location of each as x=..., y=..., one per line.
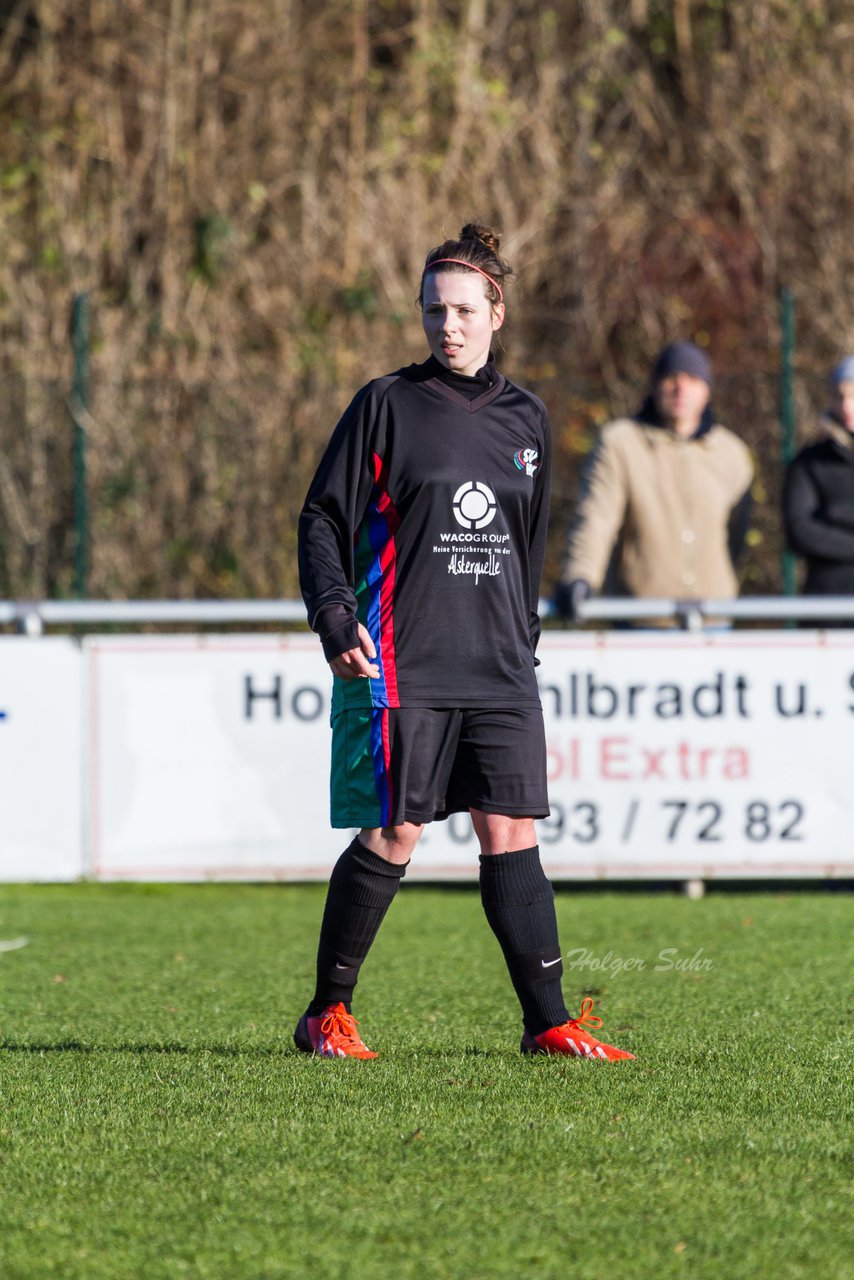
x=32, y=617
x=694, y=615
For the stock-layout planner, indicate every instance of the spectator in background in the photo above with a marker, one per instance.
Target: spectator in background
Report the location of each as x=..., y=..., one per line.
x=818, y=499
x=665, y=497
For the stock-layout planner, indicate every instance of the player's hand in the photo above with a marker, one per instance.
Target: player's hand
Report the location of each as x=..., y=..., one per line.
x=570, y=596
x=355, y=664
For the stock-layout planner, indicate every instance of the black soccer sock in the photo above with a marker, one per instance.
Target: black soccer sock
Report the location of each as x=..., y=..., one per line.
x=361, y=889
x=519, y=903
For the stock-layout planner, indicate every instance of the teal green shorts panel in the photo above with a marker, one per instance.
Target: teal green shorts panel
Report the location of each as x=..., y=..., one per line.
x=354, y=801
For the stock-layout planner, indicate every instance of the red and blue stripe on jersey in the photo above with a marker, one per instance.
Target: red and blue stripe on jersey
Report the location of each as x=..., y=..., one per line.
x=375, y=564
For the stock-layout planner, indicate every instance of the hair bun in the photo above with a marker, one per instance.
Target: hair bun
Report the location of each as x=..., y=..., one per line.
x=488, y=237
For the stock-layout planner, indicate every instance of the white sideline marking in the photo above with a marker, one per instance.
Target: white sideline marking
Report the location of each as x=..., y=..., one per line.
x=12, y=944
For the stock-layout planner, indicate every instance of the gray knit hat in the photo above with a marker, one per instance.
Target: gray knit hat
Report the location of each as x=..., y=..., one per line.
x=843, y=372
x=682, y=357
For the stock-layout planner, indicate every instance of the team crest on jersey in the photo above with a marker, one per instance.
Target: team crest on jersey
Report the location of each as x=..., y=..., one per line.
x=526, y=460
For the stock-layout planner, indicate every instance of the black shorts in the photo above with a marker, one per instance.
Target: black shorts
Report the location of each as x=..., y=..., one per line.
x=417, y=764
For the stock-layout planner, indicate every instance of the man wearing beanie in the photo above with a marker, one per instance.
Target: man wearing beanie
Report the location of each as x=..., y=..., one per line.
x=665, y=497
x=818, y=499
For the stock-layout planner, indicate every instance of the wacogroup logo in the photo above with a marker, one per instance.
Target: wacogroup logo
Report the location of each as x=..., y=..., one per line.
x=474, y=505
x=526, y=460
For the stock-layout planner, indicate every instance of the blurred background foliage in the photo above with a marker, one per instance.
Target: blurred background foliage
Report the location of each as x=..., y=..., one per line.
x=247, y=190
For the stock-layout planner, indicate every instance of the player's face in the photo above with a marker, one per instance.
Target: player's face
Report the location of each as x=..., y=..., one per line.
x=843, y=403
x=459, y=320
x=681, y=398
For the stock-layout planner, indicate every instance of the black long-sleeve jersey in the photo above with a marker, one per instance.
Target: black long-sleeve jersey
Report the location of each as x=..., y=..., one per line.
x=426, y=522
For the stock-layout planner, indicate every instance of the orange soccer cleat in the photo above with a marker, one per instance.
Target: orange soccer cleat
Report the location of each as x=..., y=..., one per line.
x=332, y=1034
x=573, y=1038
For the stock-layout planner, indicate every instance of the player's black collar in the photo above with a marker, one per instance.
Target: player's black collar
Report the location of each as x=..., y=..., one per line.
x=459, y=389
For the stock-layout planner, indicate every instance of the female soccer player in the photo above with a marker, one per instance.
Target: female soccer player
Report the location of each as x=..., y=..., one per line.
x=421, y=547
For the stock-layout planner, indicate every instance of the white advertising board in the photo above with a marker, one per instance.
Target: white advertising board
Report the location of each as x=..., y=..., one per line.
x=41, y=835
x=724, y=754
x=670, y=756
x=209, y=758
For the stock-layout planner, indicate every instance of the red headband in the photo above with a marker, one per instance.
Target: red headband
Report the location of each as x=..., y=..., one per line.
x=462, y=262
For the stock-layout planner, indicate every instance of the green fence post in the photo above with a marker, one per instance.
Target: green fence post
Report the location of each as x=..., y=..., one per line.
x=79, y=409
x=787, y=411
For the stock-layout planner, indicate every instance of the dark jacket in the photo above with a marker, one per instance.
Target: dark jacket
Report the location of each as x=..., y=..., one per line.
x=818, y=509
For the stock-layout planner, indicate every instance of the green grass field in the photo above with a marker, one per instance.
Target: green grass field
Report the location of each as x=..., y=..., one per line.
x=157, y=1122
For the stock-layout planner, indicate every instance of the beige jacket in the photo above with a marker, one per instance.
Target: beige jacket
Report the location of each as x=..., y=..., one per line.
x=668, y=502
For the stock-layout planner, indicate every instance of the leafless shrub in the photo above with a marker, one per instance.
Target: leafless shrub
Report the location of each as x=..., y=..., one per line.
x=247, y=192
